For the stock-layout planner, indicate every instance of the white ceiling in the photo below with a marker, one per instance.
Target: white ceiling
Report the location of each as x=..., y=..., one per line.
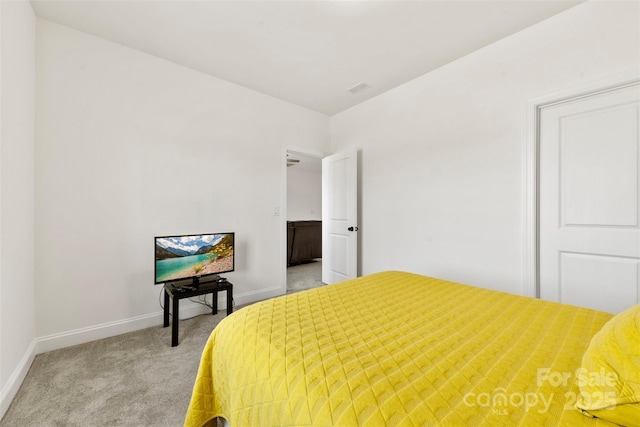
x=306, y=52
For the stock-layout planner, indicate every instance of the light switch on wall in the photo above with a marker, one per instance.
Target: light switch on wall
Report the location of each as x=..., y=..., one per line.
x=276, y=211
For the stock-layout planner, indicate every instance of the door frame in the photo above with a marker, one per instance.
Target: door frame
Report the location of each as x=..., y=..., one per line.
x=531, y=165
x=283, y=209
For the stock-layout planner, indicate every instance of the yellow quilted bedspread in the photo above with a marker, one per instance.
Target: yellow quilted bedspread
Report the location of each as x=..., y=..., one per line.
x=396, y=349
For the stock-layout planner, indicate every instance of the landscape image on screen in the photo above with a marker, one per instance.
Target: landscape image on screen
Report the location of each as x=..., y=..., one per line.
x=182, y=257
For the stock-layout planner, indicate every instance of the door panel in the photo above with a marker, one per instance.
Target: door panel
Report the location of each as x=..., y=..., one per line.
x=339, y=217
x=339, y=255
x=586, y=278
x=337, y=183
x=589, y=192
x=599, y=167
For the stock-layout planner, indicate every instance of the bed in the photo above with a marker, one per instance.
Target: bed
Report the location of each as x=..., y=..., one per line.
x=400, y=349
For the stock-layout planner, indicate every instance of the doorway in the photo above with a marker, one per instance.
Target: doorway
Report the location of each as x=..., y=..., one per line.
x=303, y=216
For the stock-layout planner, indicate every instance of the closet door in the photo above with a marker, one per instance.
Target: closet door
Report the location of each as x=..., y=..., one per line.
x=589, y=182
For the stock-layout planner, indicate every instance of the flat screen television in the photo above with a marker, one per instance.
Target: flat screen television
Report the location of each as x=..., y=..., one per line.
x=193, y=256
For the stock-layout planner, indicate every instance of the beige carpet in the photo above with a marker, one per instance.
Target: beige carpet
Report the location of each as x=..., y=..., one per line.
x=135, y=379
x=304, y=276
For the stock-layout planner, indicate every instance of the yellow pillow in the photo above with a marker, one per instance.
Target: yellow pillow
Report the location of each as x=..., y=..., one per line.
x=609, y=378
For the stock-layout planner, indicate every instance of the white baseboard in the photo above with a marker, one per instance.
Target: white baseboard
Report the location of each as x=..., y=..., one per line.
x=250, y=297
x=106, y=330
x=17, y=377
x=187, y=310
x=110, y=329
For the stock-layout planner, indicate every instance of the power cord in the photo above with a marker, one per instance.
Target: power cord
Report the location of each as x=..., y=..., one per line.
x=202, y=301
x=160, y=298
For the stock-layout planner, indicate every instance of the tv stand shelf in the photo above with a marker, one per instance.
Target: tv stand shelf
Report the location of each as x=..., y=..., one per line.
x=207, y=287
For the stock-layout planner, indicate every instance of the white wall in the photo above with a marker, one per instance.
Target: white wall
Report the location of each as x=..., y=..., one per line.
x=130, y=146
x=441, y=156
x=17, y=116
x=304, y=194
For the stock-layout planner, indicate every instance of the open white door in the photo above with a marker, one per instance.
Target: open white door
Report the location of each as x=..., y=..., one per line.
x=339, y=217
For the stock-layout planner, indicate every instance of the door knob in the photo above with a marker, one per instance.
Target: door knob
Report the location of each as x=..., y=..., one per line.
x=352, y=228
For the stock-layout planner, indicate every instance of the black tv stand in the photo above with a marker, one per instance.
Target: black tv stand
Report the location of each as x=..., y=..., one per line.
x=176, y=293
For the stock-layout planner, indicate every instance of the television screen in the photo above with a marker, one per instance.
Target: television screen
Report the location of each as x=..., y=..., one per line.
x=193, y=256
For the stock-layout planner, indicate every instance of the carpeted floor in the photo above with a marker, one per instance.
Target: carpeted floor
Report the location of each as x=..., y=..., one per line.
x=304, y=276
x=134, y=379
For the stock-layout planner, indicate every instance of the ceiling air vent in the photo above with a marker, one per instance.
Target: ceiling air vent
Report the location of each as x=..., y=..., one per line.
x=359, y=88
